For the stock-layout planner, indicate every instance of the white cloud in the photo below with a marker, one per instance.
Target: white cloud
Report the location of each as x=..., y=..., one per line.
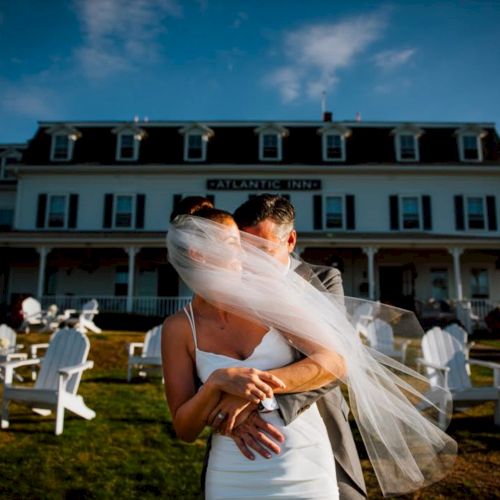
x=241, y=17
x=315, y=53
x=391, y=59
x=28, y=100
x=121, y=34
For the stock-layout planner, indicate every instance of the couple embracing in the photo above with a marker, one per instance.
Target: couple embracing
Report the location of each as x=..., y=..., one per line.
x=260, y=354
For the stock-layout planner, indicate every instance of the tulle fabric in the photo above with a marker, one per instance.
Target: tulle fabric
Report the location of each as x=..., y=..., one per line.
x=395, y=408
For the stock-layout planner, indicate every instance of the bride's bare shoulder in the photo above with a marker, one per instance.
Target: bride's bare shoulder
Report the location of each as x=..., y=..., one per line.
x=176, y=326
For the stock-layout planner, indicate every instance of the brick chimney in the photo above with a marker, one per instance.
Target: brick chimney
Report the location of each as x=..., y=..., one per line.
x=327, y=116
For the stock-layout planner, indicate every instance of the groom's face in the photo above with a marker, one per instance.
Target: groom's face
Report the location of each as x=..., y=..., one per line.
x=283, y=244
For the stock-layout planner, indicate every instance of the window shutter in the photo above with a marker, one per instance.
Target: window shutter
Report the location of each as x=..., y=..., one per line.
x=73, y=211
x=139, y=211
x=318, y=211
x=459, y=213
x=211, y=198
x=492, y=213
x=427, y=212
x=350, y=213
x=41, y=210
x=394, y=211
x=108, y=211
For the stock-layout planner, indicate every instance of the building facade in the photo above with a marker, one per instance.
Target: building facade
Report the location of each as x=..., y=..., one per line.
x=408, y=211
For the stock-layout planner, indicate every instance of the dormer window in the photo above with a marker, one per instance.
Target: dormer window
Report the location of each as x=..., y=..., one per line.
x=470, y=148
x=196, y=137
x=195, y=150
x=271, y=142
x=406, y=143
x=10, y=156
x=63, y=141
x=470, y=144
x=128, y=140
x=333, y=142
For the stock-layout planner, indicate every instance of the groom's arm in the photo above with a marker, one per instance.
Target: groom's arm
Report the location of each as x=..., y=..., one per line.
x=292, y=405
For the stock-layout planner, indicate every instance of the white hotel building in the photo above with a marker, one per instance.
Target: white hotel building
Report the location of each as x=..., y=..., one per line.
x=407, y=211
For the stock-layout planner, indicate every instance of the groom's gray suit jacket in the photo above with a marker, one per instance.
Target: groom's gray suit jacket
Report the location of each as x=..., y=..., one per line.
x=329, y=399
x=331, y=404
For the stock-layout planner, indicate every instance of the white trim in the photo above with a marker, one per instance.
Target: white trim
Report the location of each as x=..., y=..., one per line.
x=342, y=197
x=324, y=143
x=132, y=214
x=66, y=211
x=250, y=123
x=461, y=148
x=420, y=212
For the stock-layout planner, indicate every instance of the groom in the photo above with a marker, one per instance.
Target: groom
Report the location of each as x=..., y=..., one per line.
x=272, y=217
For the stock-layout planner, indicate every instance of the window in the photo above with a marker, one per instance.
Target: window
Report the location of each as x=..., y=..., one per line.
x=270, y=146
x=334, y=213
x=479, y=285
x=469, y=139
x=470, y=148
x=475, y=213
x=407, y=147
x=195, y=150
x=128, y=147
x=56, y=214
x=410, y=212
x=60, y=148
x=6, y=218
x=439, y=283
x=124, y=211
x=5, y=161
x=121, y=281
x=333, y=147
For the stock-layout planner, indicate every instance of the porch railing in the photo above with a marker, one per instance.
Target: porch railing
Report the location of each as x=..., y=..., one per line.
x=150, y=306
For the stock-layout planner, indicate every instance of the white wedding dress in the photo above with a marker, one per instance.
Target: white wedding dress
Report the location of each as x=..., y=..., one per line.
x=305, y=468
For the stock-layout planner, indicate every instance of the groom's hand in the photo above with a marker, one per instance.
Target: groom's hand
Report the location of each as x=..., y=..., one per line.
x=254, y=433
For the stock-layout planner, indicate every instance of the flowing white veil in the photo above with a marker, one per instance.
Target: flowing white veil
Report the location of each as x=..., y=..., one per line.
x=393, y=405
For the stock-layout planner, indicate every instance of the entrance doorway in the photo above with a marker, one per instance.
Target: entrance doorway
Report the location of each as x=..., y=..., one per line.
x=397, y=285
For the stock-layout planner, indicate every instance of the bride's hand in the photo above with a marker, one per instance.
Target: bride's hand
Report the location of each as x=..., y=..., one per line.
x=229, y=412
x=248, y=383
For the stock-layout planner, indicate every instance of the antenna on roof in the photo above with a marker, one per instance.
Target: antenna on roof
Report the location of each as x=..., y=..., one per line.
x=136, y=118
x=358, y=116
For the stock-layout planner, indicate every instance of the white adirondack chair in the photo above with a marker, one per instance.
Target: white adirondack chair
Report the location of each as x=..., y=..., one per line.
x=380, y=336
x=150, y=355
x=86, y=318
x=9, y=349
x=461, y=335
x=53, y=320
x=445, y=364
x=57, y=382
x=32, y=314
x=466, y=315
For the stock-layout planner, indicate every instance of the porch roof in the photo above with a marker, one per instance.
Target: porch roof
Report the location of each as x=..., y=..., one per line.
x=156, y=239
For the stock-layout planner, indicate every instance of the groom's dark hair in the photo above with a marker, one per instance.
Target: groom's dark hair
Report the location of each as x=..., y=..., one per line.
x=265, y=206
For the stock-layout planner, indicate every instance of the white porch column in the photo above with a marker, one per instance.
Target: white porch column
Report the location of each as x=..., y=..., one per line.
x=132, y=252
x=370, y=253
x=43, y=251
x=456, y=252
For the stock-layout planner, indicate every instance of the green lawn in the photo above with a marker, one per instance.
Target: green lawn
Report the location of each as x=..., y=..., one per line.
x=130, y=451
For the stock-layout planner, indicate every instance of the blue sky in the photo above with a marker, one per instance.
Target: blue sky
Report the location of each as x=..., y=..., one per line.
x=246, y=60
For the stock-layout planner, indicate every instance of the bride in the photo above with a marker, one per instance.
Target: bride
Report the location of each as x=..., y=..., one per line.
x=237, y=336
x=232, y=354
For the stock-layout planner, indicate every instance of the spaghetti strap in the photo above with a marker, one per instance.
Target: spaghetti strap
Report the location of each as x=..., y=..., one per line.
x=190, y=316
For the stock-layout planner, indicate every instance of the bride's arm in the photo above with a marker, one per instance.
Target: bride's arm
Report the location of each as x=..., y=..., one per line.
x=189, y=407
